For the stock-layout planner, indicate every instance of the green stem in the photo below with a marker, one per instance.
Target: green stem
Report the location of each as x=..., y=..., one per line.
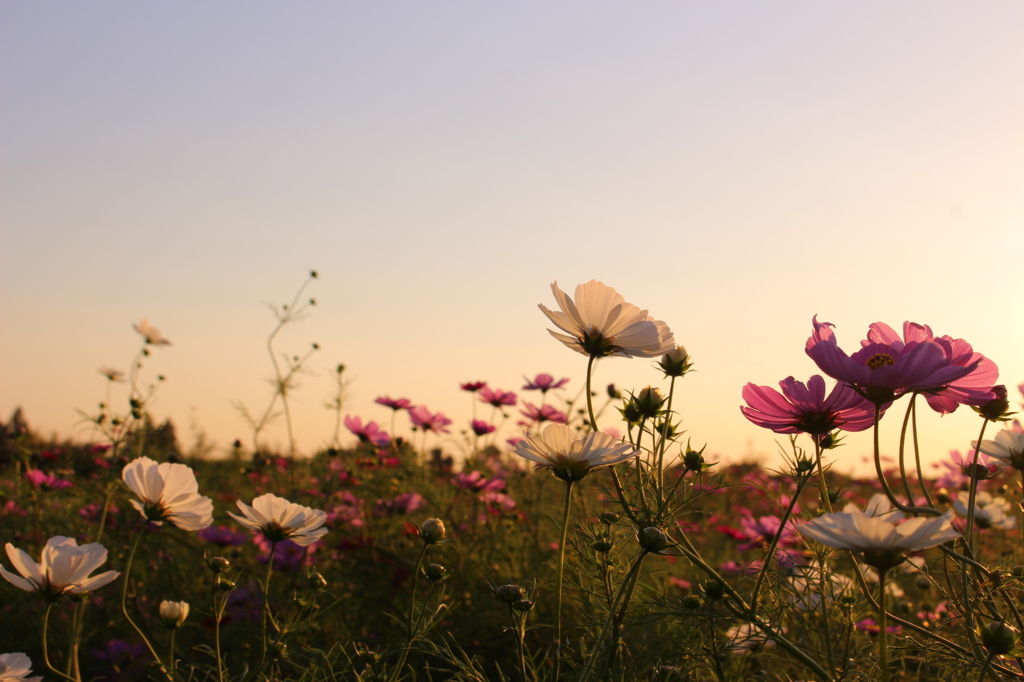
x=124, y=600
x=590, y=396
x=969, y=534
x=663, y=443
x=621, y=615
x=561, y=572
x=218, y=613
x=611, y=615
x=883, y=635
x=46, y=651
x=903, y=463
x=885, y=485
x=801, y=484
x=171, y=654
x=917, y=454
x=411, y=633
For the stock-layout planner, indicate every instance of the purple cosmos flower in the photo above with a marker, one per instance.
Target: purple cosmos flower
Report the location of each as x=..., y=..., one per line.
x=544, y=383
x=425, y=421
x=44, y=481
x=805, y=409
x=223, y=536
x=544, y=414
x=482, y=428
x=472, y=386
x=399, y=404
x=477, y=482
x=497, y=397
x=368, y=433
x=973, y=389
x=882, y=372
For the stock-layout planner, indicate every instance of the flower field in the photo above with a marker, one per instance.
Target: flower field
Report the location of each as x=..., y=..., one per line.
x=577, y=535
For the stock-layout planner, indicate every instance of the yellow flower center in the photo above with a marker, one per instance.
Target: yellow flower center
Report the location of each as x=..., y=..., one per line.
x=880, y=360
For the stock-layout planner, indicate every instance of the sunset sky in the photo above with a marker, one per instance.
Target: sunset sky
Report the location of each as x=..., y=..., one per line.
x=734, y=168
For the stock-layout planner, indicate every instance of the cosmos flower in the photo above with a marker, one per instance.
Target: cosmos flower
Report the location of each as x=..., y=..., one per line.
x=112, y=374
x=278, y=519
x=394, y=404
x=882, y=542
x=368, y=433
x=989, y=511
x=570, y=458
x=497, y=397
x=804, y=408
x=882, y=372
x=16, y=668
x=168, y=492
x=425, y=421
x=472, y=386
x=599, y=322
x=748, y=637
x=173, y=613
x=544, y=383
x=975, y=388
x=150, y=333
x=43, y=481
x=1008, y=447
x=548, y=413
x=482, y=428
x=64, y=568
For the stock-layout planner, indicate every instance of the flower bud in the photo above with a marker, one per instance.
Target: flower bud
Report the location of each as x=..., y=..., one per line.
x=999, y=639
x=713, y=590
x=649, y=402
x=923, y=583
x=653, y=539
x=523, y=605
x=508, y=594
x=609, y=518
x=218, y=564
x=173, y=614
x=435, y=572
x=693, y=460
x=602, y=546
x=317, y=581
x=432, y=531
x=996, y=409
x=691, y=602
x=223, y=584
x=675, y=363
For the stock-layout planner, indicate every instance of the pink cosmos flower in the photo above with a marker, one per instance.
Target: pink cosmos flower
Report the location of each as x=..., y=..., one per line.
x=973, y=389
x=477, y=482
x=760, y=531
x=544, y=383
x=44, y=481
x=394, y=404
x=150, y=333
x=498, y=500
x=368, y=433
x=805, y=409
x=869, y=626
x=882, y=372
x=425, y=421
x=497, y=397
x=482, y=428
x=543, y=414
x=406, y=503
x=472, y=386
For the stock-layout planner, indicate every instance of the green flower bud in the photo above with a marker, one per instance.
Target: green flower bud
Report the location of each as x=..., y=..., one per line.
x=218, y=564
x=609, y=518
x=432, y=531
x=435, y=572
x=653, y=539
x=508, y=594
x=999, y=639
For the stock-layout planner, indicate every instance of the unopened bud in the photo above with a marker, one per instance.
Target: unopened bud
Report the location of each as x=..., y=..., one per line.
x=223, y=584
x=523, y=605
x=691, y=602
x=713, y=590
x=996, y=409
x=508, y=594
x=653, y=539
x=693, y=460
x=317, y=581
x=602, y=546
x=999, y=638
x=609, y=518
x=173, y=614
x=649, y=402
x=432, y=531
x=923, y=583
x=675, y=363
x=435, y=572
x=218, y=564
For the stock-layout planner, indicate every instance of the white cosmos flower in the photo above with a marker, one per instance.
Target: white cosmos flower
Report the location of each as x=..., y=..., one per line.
x=150, y=333
x=748, y=637
x=599, y=322
x=1008, y=447
x=63, y=568
x=570, y=457
x=989, y=512
x=173, y=613
x=168, y=492
x=278, y=519
x=16, y=668
x=878, y=505
x=112, y=374
x=882, y=542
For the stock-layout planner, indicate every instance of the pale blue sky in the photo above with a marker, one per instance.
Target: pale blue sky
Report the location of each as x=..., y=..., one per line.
x=734, y=168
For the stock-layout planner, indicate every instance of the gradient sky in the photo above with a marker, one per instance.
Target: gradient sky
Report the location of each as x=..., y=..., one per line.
x=734, y=168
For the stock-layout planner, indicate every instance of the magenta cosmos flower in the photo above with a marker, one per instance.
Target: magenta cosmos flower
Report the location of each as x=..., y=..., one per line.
x=973, y=389
x=543, y=414
x=472, y=386
x=367, y=433
x=599, y=322
x=393, y=403
x=805, y=409
x=544, y=383
x=882, y=372
x=497, y=397
x=425, y=421
x=482, y=428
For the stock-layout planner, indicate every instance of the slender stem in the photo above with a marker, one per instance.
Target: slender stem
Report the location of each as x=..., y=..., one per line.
x=917, y=452
x=411, y=633
x=611, y=615
x=984, y=668
x=630, y=585
x=883, y=635
x=46, y=651
x=561, y=574
x=124, y=599
x=664, y=443
x=171, y=654
x=903, y=462
x=218, y=613
x=517, y=623
x=885, y=485
x=590, y=396
x=969, y=534
x=775, y=541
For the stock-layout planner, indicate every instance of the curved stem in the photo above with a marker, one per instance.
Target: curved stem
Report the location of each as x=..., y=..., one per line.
x=883, y=635
x=124, y=600
x=775, y=542
x=885, y=485
x=608, y=620
x=972, y=496
x=561, y=573
x=917, y=454
x=630, y=585
x=46, y=651
x=903, y=461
